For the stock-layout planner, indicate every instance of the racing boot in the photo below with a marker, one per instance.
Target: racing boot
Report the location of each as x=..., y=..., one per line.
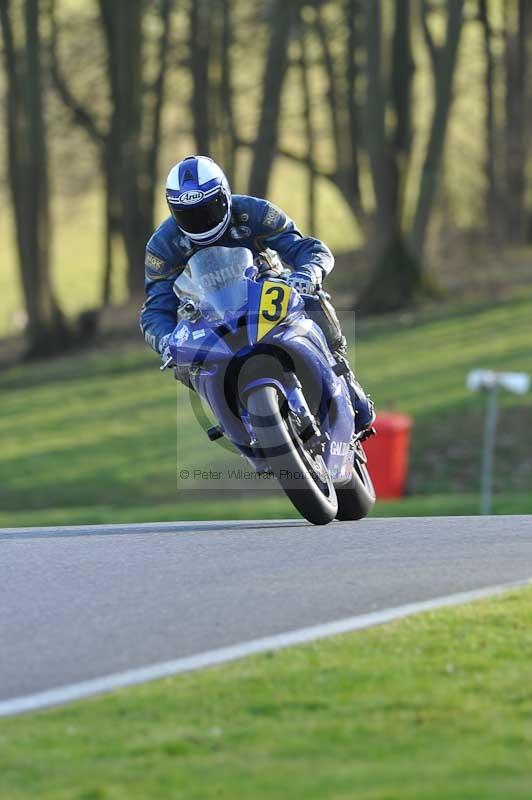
x=320, y=309
x=362, y=402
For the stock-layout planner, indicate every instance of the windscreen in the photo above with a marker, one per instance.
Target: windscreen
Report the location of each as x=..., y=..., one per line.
x=214, y=278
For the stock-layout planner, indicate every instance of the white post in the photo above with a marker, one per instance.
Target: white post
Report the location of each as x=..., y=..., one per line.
x=478, y=379
x=488, y=450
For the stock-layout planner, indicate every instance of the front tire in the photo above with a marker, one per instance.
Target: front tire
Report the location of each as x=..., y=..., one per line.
x=303, y=477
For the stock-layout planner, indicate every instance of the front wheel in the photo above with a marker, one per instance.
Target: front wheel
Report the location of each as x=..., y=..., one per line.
x=303, y=476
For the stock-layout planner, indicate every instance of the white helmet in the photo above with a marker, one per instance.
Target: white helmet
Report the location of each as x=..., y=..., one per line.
x=199, y=198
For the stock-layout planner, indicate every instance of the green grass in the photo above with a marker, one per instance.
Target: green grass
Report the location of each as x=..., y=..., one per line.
x=419, y=365
x=94, y=434
x=437, y=706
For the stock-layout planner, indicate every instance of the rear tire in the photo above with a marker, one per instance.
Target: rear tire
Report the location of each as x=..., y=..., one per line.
x=356, y=498
x=304, y=478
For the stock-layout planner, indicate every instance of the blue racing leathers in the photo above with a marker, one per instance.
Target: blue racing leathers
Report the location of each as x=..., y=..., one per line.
x=255, y=224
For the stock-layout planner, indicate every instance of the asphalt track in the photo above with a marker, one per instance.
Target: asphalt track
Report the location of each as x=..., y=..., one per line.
x=78, y=604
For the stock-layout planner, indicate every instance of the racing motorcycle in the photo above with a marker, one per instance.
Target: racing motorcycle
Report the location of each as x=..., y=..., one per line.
x=264, y=369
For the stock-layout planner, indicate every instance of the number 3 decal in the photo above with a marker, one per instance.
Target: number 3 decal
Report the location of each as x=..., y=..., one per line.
x=276, y=296
x=273, y=306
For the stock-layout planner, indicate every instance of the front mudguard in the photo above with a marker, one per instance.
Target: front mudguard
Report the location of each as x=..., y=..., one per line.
x=333, y=411
x=290, y=390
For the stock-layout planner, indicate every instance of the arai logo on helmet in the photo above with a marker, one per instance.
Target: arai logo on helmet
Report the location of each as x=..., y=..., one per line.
x=192, y=196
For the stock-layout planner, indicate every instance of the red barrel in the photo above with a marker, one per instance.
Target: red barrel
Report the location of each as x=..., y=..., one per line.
x=388, y=454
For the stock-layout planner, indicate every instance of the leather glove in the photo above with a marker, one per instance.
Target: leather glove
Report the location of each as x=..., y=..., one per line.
x=269, y=265
x=305, y=282
x=167, y=360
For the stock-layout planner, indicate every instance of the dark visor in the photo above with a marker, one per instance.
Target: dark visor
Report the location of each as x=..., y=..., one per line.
x=200, y=219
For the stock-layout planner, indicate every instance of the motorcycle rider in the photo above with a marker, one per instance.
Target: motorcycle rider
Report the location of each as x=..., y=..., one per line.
x=203, y=212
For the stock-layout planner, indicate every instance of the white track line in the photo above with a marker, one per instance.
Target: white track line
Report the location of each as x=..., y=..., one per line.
x=76, y=691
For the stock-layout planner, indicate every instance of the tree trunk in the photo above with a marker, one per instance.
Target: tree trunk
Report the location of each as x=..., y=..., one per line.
x=397, y=277
x=397, y=280
x=28, y=178
x=110, y=157
x=200, y=31
x=226, y=93
x=304, y=65
x=125, y=18
x=444, y=63
x=383, y=167
x=341, y=71
x=152, y=138
x=135, y=123
x=284, y=14
x=515, y=57
x=355, y=43
x=492, y=200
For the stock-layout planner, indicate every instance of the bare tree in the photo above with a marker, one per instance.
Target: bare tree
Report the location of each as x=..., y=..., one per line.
x=200, y=21
x=283, y=15
x=371, y=120
x=28, y=174
x=397, y=275
x=137, y=109
x=210, y=64
x=128, y=142
x=443, y=59
x=516, y=33
x=305, y=67
x=105, y=139
x=346, y=126
x=492, y=188
x=226, y=95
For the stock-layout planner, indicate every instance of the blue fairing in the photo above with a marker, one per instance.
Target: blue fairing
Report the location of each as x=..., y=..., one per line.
x=226, y=359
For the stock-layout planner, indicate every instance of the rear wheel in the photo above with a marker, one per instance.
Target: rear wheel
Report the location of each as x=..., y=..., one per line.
x=302, y=475
x=357, y=497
